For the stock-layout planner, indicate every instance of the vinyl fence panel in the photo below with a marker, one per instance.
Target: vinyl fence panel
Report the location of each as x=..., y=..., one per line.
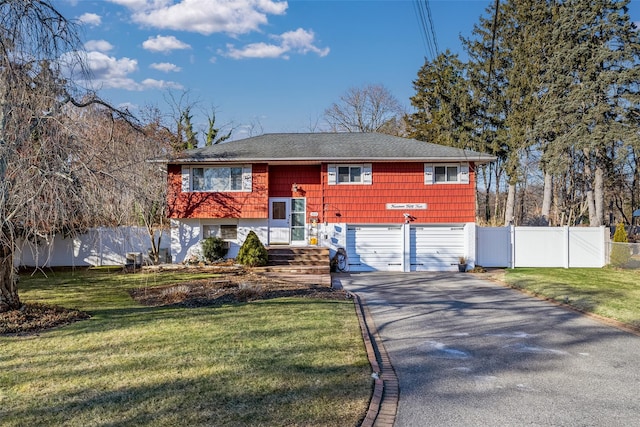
x=542, y=246
x=96, y=247
x=493, y=246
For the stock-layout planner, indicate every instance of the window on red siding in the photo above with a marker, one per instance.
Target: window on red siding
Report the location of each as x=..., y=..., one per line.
x=350, y=174
x=446, y=173
x=217, y=179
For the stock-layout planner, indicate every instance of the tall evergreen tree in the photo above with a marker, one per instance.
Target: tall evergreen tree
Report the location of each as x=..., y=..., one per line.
x=443, y=104
x=593, y=59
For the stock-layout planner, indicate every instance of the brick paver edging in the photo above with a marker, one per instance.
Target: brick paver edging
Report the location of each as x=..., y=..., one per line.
x=384, y=400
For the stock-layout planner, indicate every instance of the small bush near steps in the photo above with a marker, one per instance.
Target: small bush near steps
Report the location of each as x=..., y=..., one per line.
x=214, y=248
x=252, y=252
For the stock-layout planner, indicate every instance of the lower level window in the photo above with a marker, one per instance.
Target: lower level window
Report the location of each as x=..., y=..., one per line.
x=224, y=231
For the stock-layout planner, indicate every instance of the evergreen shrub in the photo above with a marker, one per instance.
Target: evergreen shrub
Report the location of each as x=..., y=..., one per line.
x=252, y=252
x=214, y=248
x=620, y=251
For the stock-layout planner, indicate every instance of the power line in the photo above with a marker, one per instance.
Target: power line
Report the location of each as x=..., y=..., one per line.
x=427, y=29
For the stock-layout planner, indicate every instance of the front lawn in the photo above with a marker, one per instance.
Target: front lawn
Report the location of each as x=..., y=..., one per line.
x=274, y=362
x=607, y=292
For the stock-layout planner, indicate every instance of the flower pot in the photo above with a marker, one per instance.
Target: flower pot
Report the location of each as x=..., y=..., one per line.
x=462, y=268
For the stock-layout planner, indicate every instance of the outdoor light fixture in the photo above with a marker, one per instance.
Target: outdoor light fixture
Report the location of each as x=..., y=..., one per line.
x=294, y=188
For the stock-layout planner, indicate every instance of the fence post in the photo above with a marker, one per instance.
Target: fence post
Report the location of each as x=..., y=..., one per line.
x=606, y=239
x=566, y=246
x=512, y=245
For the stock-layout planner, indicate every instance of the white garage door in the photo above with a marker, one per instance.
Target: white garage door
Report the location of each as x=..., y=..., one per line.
x=436, y=248
x=374, y=248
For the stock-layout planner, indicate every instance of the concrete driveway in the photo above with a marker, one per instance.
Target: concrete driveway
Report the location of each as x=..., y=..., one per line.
x=469, y=352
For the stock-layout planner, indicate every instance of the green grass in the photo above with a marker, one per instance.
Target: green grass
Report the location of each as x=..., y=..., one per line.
x=607, y=292
x=274, y=362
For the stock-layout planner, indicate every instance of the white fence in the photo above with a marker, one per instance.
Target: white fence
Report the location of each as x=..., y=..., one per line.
x=542, y=246
x=97, y=247
x=494, y=247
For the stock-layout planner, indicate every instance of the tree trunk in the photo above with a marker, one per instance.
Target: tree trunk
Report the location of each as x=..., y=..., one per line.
x=9, y=299
x=546, y=197
x=589, y=181
x=510, y=205
x=598, y=194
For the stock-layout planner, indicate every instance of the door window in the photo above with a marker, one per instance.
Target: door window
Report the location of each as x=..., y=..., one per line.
x=279, y=210
x=298, y=214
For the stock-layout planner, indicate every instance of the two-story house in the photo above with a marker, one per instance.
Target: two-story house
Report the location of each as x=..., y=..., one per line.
x=394, y=204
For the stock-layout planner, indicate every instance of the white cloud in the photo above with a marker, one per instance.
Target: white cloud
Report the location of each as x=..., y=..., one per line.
x=90, y=19
x=299, y=41
x=108, y=72
x=99, y=45
x=164, y=44
x=166, y=67
x=255, y=50
x=160, y=84
x=204, y=16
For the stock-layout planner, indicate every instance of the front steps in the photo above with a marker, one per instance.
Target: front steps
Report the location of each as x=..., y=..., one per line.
x=298, y=260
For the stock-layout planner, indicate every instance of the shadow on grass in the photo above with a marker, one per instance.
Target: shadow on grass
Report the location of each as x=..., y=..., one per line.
x=203, y=402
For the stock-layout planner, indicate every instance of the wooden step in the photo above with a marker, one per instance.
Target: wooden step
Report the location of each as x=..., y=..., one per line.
x=299, y=259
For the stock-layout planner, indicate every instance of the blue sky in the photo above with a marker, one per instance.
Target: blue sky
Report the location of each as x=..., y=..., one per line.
x=264, y=65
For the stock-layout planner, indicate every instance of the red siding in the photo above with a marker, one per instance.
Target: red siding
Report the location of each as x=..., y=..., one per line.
x=392, y=183
x=399, y=183
x=307, y=178
x=254, y=204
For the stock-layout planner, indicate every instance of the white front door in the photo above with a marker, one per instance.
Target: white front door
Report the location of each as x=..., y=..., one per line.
x=279, y=221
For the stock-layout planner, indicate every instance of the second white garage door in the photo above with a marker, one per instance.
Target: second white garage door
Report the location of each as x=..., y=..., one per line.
x=436, y=248
x=374, y=248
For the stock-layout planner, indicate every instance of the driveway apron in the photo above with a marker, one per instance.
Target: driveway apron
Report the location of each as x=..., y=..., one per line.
x=469, y=352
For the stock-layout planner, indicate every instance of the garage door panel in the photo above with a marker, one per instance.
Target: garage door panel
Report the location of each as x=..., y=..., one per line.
x=374, y=248
x=436, y=248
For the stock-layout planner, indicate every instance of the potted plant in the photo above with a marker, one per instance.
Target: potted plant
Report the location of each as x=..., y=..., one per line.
x=462, y=264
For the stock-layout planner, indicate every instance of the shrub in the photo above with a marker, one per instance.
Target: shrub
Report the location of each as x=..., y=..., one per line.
x=214, y=248
x=620, y=251
x=252, y=252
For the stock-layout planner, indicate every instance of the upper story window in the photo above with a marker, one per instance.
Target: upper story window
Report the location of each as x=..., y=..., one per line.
x=216, y=178
x=352, y=174
x=446, y=173
x=349, y=174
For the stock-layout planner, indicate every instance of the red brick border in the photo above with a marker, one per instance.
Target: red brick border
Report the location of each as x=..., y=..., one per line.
x=384, y=399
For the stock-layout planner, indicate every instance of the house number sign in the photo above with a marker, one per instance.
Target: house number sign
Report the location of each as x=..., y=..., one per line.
x=404, y=206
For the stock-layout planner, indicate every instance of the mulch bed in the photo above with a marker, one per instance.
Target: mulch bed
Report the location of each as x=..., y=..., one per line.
x=231, y=290
x=33, y=318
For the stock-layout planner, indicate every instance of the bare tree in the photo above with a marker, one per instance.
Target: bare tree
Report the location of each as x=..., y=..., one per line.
x=131, y=189
x=42, y=178
x=369, y=109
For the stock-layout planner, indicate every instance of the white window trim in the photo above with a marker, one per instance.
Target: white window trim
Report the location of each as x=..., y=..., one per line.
x=367, y=174
x=430, y=174
x=187, y=178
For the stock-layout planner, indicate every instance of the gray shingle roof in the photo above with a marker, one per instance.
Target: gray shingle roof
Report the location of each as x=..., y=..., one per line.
x=327, y=147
